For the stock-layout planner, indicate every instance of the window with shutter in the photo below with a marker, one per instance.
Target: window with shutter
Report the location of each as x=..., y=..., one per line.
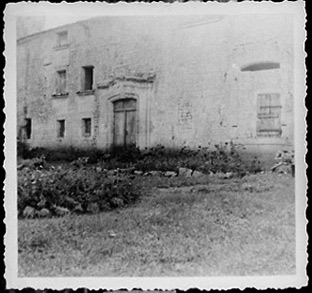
x=269, y=115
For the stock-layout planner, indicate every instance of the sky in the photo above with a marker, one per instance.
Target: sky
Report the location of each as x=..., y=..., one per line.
x=58, y=14
x=52, y=21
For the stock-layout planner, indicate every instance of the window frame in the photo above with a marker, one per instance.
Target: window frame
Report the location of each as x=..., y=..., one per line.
x=86, y=125
x=268, y=109
x=28, y=128
x=62, y=43
x=87, y=81
x=61, y=128
x=61, y=89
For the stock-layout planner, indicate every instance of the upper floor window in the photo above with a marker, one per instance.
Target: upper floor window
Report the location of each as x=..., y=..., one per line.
x=61, y=82
x=269, y=115
x=261, y=66
x=87, y=78
x=62, y=39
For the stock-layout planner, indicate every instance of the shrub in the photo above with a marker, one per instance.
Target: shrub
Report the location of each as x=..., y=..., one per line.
x=125, y=155
x=158, y=158
x=69, y=188
x=26, y=152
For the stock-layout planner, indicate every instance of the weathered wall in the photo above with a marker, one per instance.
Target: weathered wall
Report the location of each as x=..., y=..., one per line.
x=208, y=83
x=184, y=72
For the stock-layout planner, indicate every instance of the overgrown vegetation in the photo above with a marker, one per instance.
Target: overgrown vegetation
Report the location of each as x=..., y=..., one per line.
x=64, y=154
x=218, y=158
x=77, y=180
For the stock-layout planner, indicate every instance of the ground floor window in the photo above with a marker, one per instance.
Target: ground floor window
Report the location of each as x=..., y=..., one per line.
x=86, y=126
x=61, y=128
x=28, y=128
x=269, y=115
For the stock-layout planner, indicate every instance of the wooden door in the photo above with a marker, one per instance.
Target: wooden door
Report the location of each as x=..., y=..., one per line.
x=130, y=126
x=125, y=122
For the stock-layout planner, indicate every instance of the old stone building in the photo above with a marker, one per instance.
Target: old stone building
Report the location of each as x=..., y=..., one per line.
x=173, y=81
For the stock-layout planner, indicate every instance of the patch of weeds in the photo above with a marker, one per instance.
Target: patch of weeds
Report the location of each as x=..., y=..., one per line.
x=255, y=166
x=206, y=159
x=220, y=158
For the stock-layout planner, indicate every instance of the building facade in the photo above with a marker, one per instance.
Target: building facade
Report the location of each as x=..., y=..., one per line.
x=175, y=81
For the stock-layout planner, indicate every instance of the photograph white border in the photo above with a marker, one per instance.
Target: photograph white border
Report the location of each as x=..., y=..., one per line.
x=183, y=283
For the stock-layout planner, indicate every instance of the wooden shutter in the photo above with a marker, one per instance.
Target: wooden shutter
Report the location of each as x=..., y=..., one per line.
x=269, y=115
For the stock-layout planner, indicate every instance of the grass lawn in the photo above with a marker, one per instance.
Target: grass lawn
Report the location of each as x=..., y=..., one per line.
x=209, y=228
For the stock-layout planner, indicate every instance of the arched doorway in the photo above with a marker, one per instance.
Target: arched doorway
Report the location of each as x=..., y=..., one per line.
x=125, y=122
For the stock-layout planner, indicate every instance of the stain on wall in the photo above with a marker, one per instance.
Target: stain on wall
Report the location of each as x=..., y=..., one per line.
x=185, y=116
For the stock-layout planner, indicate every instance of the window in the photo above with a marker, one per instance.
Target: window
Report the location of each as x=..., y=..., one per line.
x=28, y=128
x=87, y=79
x=61, y=128
x=86, y=126
x=261, y=66
x=62, y=39
x=61, y=82
x=269, y=115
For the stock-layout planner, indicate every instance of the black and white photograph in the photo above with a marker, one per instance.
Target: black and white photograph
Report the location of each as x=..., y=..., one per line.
x=155, y=145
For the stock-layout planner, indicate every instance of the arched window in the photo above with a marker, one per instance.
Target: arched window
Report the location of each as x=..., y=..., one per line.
x=261, y=66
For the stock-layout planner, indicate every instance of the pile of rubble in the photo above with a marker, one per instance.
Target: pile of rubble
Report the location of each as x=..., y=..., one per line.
x=183, y=172
x=284, y=162
x=36, y=163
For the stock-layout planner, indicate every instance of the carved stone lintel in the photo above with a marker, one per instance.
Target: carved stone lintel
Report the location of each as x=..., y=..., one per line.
x=108, y=83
